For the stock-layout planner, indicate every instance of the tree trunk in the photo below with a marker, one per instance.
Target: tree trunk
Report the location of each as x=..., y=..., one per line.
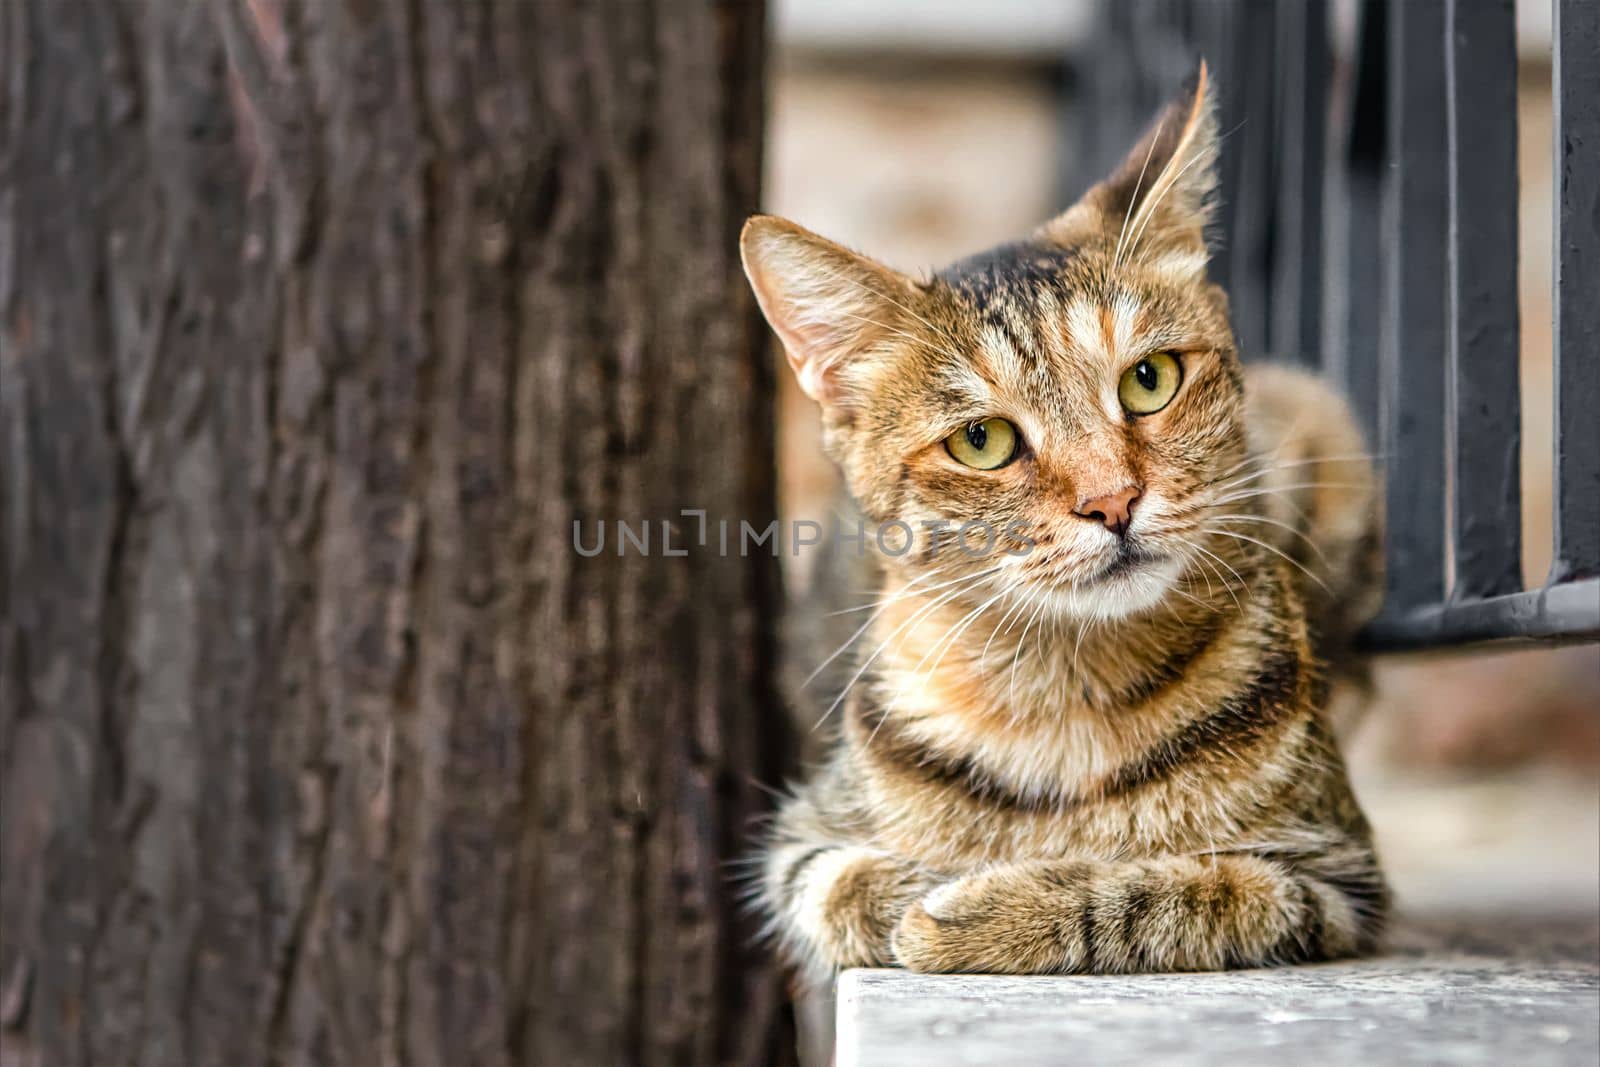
x=321, y=321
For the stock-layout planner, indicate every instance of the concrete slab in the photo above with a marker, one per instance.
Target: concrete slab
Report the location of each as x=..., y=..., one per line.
x=1482, y=990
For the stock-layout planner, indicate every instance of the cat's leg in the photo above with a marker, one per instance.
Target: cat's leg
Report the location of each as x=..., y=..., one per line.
x=834, y=905
x=1178, y=913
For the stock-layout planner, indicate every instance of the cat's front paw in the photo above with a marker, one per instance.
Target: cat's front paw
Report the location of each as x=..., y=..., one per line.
x=920, y=944
x=977, y=924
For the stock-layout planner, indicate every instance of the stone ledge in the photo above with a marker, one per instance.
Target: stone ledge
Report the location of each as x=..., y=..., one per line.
x=1484, y=991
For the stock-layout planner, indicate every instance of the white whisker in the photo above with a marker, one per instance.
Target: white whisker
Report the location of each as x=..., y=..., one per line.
x=1159, y=191
x=1242, y=583
x=915, y=616
x=1013, y=612
x=1262, y=472
x=1277, y=490
x=907, y=590
x=1275, y=551
x=1133, y=201
x=1296, y=531
x=883, y=605
x=950, y=637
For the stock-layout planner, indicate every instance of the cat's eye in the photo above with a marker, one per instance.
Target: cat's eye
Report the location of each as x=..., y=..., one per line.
x=984, y=445
x=1150, y=384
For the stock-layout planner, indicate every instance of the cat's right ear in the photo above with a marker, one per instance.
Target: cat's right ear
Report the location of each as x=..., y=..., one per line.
x=1158, y=203
x=830, y=306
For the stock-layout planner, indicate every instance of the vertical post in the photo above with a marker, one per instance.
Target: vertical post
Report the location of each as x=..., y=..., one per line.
x=1247, y=111
x=1302, y=79
x=1577, y=281
x=1354, y=334
x=1414, y=232
x=319, y=742
x=1484, y=426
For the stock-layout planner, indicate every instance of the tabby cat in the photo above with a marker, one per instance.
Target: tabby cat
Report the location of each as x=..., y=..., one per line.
x=1102, y=746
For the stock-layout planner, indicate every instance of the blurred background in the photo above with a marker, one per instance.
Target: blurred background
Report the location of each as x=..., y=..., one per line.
x=322, y=324
x=921, y=131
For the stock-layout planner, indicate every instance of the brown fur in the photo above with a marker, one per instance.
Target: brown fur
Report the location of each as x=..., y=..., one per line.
x=1086, y=754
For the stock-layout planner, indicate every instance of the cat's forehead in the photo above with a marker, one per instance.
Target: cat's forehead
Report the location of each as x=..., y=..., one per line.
x=1018, y=272
x=1038, y=316
x=1030, y=291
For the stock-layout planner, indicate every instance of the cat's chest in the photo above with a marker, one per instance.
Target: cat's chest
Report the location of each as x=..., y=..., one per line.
x=1067, y=747
x=957, y=793
x=955, y=776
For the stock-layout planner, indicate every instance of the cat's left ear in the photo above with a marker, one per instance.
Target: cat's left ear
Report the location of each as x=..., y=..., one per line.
x=1158, y=202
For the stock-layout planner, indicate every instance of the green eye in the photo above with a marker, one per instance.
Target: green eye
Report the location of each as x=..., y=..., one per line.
x=1150, y=384
x=985, y=445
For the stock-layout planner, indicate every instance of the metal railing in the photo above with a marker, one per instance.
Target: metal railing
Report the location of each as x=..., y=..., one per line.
x=1369, y=227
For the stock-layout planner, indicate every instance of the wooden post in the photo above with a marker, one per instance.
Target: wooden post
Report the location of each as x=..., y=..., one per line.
x=320, y=325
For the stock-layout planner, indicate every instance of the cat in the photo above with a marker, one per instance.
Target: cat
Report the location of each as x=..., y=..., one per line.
x=1102, y=746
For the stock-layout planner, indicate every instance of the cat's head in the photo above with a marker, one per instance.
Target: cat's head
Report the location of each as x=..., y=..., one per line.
x=1073, y=393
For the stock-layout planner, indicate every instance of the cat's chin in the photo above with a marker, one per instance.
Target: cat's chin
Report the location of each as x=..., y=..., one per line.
x=1122, y=591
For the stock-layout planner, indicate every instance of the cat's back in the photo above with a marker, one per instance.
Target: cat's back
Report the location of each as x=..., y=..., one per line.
x=1316, y=480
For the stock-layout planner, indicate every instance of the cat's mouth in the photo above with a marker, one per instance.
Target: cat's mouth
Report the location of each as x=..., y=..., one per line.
x=1133, y=578
x=1129, y=559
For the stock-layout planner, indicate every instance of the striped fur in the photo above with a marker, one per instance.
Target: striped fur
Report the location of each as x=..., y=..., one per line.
x=1080, y=753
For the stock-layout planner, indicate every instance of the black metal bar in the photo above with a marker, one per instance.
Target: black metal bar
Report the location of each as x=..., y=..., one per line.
x=1302, y=77
x=1555, y=615
x=1247, y=113
x=1577, y=296
x=1484, y=421
x=1414, y=231
x=1215, y=37
x=1351, y=353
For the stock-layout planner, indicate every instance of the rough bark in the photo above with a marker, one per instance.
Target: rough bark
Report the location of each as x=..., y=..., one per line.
x=320, y=323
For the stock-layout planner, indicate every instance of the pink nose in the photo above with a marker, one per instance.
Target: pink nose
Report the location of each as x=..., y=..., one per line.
x=1113, y=509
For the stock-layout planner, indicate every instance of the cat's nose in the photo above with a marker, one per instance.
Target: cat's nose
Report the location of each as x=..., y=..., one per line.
x=1113, y=509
